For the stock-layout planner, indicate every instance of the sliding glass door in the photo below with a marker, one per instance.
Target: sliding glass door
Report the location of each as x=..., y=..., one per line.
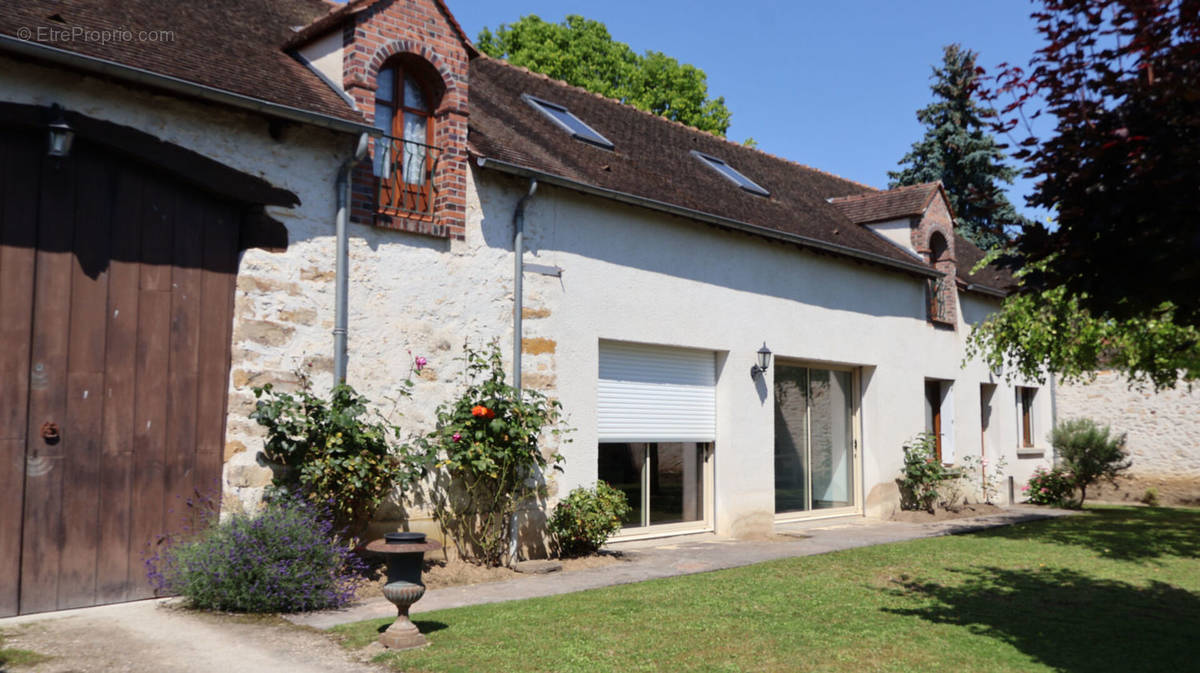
x=814, y=439
x=663, y=481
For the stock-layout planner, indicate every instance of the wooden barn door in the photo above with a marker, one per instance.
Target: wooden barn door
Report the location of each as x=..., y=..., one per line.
x=116, y=294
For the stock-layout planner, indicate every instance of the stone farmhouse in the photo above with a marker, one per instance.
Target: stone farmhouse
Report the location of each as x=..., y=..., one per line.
x=185, y=187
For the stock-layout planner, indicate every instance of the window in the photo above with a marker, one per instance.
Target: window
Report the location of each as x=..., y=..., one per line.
x=656, y=423
x=1025, y=398
x=569, y=122
x=941, y=289
x=939, y=417
x=663, y=481
x=730, y=173
x=406, y=157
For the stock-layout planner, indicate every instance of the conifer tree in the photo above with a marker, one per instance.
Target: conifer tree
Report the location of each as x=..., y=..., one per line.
x=958, y=150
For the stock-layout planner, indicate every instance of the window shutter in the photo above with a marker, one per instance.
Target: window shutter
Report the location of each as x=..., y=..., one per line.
x=656, y=394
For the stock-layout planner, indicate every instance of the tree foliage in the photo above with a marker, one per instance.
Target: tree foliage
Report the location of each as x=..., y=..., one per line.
x=958, y=150
x=1051, y=330
x=581, y=51
x=1121, y=79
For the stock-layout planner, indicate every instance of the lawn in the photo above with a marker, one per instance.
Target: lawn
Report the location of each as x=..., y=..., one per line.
x=1113, y=589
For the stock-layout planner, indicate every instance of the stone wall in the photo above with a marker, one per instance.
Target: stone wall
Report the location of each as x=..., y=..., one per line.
x=1163, y=434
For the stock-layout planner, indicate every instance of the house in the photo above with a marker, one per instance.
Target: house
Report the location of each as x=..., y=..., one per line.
x=188, y=245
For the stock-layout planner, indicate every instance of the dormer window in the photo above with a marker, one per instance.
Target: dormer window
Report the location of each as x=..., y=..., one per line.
x=563, y=118
x=731, y=173
x=405, y=157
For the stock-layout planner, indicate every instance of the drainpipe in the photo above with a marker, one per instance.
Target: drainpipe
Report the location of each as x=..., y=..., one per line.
x=342, y=272
x=518, y=278
x=518, y=304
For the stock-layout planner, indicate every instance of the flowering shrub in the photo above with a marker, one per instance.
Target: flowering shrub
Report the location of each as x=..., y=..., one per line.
x=284, y=559
x=586, y=518
x=334, y=451
x=1050, y=487
x=924, y=477
x=489, y=457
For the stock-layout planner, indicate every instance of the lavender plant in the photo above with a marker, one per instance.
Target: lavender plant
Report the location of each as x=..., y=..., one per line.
x=283, y=559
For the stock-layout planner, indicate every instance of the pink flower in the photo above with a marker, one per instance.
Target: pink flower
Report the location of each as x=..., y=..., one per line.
x=420, y=363
x=456, y=437
x=1044, y=490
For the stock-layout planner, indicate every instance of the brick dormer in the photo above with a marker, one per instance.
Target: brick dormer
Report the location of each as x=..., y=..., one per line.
x=917, y=219
x=933, y=238
x=404, y=64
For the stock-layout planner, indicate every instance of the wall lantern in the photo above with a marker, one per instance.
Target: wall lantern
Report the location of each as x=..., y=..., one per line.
x=61, y=134
x=764, y=361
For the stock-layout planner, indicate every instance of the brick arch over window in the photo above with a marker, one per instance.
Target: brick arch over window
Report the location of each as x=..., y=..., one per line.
x=942, y=291
x=454, y=95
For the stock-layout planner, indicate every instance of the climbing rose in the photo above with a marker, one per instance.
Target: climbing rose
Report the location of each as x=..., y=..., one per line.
x=420, y=363
x=456, y=437
x=480, y=410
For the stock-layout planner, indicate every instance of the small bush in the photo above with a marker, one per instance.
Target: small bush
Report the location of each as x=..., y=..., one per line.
x=335, y=451
x=924, y=477
x=586, y=518
x=1150, y=497
x=1051, y=487
x=1090, y=451
x=284, y=559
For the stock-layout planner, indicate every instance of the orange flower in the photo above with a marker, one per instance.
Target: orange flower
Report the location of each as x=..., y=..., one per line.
x=480, y=410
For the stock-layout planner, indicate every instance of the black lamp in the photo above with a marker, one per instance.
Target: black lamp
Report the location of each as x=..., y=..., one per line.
x=61, y=134
x=764, y=360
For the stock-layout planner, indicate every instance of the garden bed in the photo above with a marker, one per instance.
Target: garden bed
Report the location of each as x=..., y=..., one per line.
x=942, y=514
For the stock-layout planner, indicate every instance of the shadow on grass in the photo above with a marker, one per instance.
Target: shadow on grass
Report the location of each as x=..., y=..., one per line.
x=1120, y=533
x=1068, y=620
x=423, y=625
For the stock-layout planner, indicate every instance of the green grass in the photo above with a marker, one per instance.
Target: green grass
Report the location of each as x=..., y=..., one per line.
x=11, y=657
x=1113, y=589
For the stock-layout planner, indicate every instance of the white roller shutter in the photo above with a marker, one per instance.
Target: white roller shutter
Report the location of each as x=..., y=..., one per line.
x=656, y=394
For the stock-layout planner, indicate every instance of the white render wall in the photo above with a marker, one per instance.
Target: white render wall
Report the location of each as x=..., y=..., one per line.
x=634, y=275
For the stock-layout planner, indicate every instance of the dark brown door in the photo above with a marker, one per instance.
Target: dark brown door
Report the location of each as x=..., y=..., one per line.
x=933, y=405
x=116, y=293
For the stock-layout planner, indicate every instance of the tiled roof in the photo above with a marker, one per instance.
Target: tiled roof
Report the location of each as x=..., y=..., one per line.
x=991, y=276
x=323, y=24
x=652, y=159
x=232, y=45
x=893, y=204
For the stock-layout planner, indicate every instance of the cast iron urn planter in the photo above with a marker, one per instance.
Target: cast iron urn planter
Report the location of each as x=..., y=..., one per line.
x=405, y=553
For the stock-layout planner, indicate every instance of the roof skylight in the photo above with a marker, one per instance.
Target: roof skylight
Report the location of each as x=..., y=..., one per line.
x=732, y=174
x=569, y=122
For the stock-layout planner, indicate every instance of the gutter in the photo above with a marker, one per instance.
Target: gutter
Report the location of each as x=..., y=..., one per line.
x=653, y=204
x=983, y=289
x=176, y=85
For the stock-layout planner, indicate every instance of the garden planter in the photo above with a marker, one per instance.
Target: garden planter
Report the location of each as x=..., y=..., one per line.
x=405, y=553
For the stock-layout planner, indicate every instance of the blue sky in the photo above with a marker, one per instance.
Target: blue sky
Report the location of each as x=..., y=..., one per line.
x=832, y=84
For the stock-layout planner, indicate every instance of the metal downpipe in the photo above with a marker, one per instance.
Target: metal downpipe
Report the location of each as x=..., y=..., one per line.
x=518, y=305
x=342, y=261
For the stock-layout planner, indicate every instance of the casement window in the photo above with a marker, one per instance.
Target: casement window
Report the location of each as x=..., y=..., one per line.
x=656, y=422
x=939, y=417
x=1025, y=415
x=405, y=157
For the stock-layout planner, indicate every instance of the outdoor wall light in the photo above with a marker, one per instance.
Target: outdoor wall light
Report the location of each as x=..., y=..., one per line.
x=764, y=361
x=61, y=134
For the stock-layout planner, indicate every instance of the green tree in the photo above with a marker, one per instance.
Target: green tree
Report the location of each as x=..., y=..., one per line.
x=958, y=150
x=581, y=51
